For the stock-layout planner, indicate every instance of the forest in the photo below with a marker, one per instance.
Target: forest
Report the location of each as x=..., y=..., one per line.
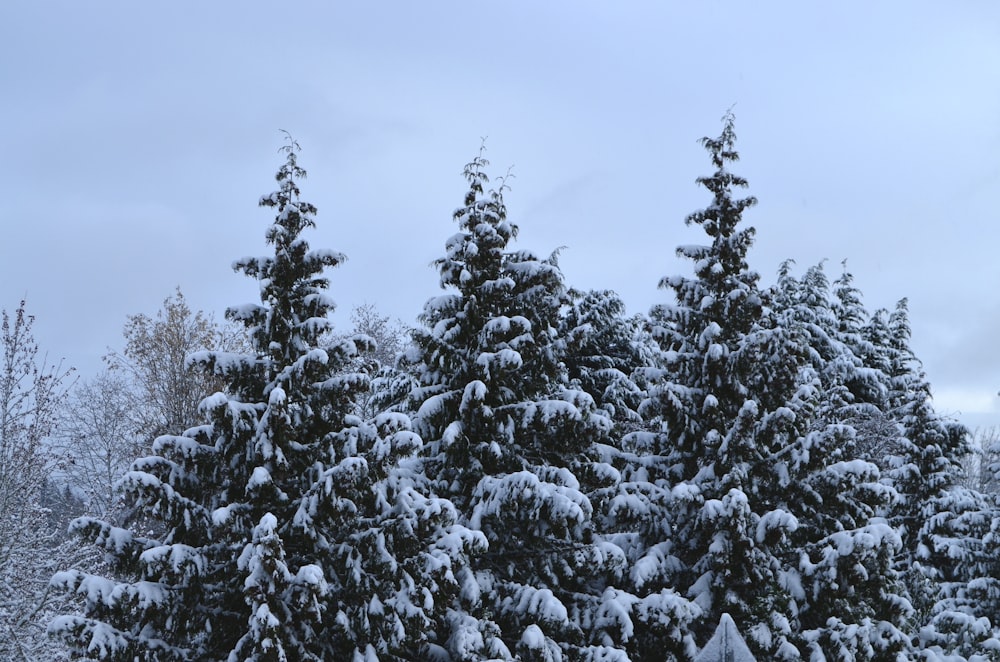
x=527, y=473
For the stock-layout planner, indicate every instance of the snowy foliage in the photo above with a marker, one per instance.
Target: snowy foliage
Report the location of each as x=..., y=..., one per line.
x=510, y=440
x=286, y=528
x=538, y=477
x=773, y=518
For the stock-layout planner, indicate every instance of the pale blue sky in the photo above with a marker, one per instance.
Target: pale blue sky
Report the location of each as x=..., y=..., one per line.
x=139, y=138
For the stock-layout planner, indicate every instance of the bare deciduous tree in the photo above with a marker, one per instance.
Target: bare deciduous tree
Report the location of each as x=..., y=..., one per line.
x=389, y=384
x=154, y=360
x=31, y=392
x=981, y=467
x=390, y=335
x=100, y=436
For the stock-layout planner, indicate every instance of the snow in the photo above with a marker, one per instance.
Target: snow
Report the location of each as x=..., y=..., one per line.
x=775, y=520
x=247, y=311
x=277, y=397
x=536, y=500
x=221, y=515
x=726, y=645
x=502, y=284
x=433, y=405
x=533, y=638
x=548, y=411
x=326, y=256
x=746, y=436
x=505, y=360
x=715, y=352
x=178, y=558
x=260, y=476
x=501, y=325
x=475, y=392
x=539, y=604
x=452, y=433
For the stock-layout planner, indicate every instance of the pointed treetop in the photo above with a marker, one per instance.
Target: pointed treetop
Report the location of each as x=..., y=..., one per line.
x=723, y=148
x=480, y=204
x=294, y=215
x=295, y=306
x=720, y=219
x=725, y=289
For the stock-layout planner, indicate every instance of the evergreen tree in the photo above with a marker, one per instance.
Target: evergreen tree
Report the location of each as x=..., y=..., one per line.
x=769, y=517
x=944, y=527
x=867, y=381
x=698, y=537
x=508, y=441
x=291, y=529
x=864, y=374
x=928, y=459
x=699, y=398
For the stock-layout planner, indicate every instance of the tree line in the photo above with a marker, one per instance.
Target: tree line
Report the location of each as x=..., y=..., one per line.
x=528, y=474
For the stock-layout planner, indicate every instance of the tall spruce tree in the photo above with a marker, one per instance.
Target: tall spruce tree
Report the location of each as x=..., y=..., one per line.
x=867, y=379
x=695, y=522
x=288, y=528
x=944, y=527
x=927, y=458
x=769, y=516
x=712, y=416
x=508, y=441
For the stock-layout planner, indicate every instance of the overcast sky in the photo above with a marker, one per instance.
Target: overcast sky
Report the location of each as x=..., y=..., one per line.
x=138, y=138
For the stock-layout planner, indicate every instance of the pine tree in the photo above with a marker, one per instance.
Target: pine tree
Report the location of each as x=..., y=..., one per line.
x=697, y=536
x=833, y=340
x=867, y=379
x=927, y=462
x=291, y=529
x=768, y=517
x=699, y=406
x=944, y=527
x=508, y=441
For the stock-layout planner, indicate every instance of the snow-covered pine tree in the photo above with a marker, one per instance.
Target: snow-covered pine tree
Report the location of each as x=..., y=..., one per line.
x=934, y=446
x=720, y=410
x=852, y=392
x=752, y=524
x=834, y=496
x=868, y=384
x=289, y=529
x=927, y=457
x=944, y=526
x=507, y=441
x=601, y=350
x=694, y=524
x=877, y=342
x=804, y=304
x=955, y=580
x=848, y=604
